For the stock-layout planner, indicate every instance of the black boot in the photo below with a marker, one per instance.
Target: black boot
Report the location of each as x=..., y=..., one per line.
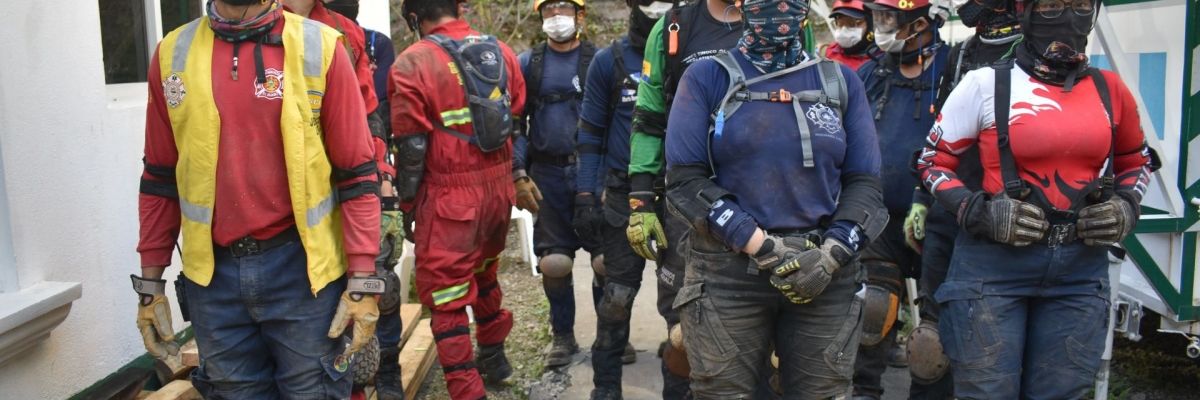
x=604, y=393
x=387, y=381
x=629, y=356
x=561, y=350
x=492, y=363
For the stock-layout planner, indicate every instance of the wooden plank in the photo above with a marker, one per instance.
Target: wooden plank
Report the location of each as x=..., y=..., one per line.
x=410, y=316
x=177, y=390
x=189, y=354
x=143, y=395
x=416, y=358
x=173, y=368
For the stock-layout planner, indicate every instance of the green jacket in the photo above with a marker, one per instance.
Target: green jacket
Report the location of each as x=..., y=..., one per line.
x=646, y=150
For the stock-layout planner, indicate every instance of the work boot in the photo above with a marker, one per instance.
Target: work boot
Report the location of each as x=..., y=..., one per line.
x=387, y=381
x=561, y=350
x=492, y=363
x=605, y=393
x=630, y=355
x=898, y=357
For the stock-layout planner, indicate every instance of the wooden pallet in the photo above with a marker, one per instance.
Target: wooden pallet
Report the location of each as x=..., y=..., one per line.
x=176, y=390
x=416, y=358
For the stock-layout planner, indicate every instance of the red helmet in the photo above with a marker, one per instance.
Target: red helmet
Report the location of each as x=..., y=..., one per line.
x=902, y=5
x=851, y=4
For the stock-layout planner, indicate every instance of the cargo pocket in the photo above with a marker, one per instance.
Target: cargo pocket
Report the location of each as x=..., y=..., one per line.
x=1086, y=346
x=968, y=325
x=841, y=352
x=456, y=227
x=710, y=347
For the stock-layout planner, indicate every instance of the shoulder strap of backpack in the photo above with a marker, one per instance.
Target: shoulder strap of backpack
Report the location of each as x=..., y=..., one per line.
x=587, y=51
x=533, y=81
x=1107, y=180
x=618, y=52
x=834, y=85
x=1014, y=187
x=675, y=37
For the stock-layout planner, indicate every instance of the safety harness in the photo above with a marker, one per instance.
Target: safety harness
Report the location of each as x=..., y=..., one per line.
x=621, y=82
x=533, y=85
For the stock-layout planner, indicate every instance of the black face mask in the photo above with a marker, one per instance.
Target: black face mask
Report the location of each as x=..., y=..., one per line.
x=239, y=2
x=639, y=28
x=1054, y=48
x=348, y=8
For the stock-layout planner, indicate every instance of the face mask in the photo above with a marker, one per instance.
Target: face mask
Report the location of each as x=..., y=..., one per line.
x=847, y=37
x=772, y=38
x=560, y=28
x=656, y=9
x=1061, y=38
x=889, y=43
x=239, y=2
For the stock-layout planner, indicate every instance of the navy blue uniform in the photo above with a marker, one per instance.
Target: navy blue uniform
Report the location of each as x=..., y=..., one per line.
x=614, y=120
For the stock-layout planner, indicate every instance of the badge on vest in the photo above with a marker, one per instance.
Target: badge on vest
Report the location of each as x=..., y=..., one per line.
x=315, y=98
x=824, y=117
x=173, y=90
x=272, y=89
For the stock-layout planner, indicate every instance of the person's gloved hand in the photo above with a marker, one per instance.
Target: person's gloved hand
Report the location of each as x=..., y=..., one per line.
x=1003, y=219
x=586, y=219
x=804, y=277
x=776, y=251
x=408, y=223
x=644, y=226
x=914, y=226
x=1107, y=223
x=528, y=194
x=359, y=303
x=154, y=317
x=391, y=233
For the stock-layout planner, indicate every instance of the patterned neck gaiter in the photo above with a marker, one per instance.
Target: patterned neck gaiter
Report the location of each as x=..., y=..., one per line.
x=773, y=38
x=237, y=30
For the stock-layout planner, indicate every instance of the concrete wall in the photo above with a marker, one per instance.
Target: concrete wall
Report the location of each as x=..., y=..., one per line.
x=71, y=149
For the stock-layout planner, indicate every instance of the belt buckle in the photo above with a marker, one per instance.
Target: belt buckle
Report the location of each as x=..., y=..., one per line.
x=244, y=247
x=1058, y=234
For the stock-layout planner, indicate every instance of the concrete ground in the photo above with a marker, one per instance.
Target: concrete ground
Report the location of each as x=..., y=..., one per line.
x=641, y=380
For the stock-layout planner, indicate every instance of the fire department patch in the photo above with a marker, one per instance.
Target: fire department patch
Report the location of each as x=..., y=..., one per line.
x=824, y=117
x=173, y=90
x=272, y=89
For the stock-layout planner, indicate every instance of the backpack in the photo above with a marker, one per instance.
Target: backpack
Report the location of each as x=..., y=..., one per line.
x=833, y=94
x=480, y=64
x=675, y=38
x=533, y=81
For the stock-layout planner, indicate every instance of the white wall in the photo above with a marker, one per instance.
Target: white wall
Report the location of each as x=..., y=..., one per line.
x=375, y=15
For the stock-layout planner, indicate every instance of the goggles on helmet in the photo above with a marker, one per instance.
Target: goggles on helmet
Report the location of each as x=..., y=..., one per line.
x=1055, y=8
x=558, y=8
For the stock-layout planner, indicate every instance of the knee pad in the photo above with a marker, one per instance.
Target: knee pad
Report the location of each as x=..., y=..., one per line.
x=882, y=301
x=927, y=362
x=390, y=301
x=556, y=265
x=598, y=265
x=617, y=301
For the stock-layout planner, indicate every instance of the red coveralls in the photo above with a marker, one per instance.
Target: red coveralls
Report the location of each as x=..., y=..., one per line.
x=462, y=208
x=835, y=52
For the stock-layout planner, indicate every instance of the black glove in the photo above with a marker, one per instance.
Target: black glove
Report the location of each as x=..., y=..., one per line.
x=1003, y=219
x=410, y=219
x=804, y=277
x=587, y=219
x=1107, y=223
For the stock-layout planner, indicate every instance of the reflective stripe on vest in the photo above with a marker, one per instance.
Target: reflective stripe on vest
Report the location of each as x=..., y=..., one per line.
x=187, y=86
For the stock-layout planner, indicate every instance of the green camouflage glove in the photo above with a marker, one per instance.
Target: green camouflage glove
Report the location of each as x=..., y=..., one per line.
x=644, y=226
x=804, y=277
x=391, y=236
x=914, y=226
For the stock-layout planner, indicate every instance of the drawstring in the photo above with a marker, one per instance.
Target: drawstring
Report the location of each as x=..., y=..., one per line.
x=261, y=74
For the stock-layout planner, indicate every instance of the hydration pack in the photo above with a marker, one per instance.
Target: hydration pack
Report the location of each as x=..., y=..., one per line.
x=480, y=64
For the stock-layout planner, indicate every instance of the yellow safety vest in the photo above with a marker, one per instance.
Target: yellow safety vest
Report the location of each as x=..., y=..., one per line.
x=185, y=59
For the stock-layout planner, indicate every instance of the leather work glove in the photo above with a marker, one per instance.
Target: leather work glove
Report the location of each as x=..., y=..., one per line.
x=359, y=304
x=914, y=226
x=154, y=317
x=644, y=226
x=587, y=218
x=804, y=277
x=776, y=251
x=391, y=234
x=1003, y=219
x=1107, y=223
x=528, y=194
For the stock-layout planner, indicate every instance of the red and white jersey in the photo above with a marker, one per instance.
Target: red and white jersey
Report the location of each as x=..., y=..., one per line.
x=1060, y=140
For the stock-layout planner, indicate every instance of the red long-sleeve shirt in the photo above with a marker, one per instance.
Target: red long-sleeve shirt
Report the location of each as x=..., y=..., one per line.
x=362, y=69
x=422, y=86
x=252, y=197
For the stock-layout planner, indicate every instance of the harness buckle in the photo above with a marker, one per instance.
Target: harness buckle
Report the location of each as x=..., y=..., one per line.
x=246, y=246
x=1060, y=234
x=781, y=96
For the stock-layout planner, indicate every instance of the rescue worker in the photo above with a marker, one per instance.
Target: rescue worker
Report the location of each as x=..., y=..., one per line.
x=853, y=36
x=378, y=51
x=554, y=74
x=603, y=146
x=930, y=228
x=456, y=178
x=901, y=89
x=685, y=35
x=772, y=157
x=273, y=267
x=1025, y=303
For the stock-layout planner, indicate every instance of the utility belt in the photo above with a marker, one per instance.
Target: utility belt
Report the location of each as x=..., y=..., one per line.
x=249, y=246
x=1062, y=228
x=537, y=157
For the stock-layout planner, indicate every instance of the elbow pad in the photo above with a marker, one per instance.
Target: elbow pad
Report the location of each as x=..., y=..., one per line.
x=692, y=192
x=410, y=164
x=861, y=202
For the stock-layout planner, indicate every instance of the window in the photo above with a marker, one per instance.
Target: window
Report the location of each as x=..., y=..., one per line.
x=128, y=33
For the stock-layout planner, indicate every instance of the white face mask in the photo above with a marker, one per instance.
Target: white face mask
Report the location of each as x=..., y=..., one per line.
x=656, y=9
x=888, y=42
x=848, y=37
x=560, y=28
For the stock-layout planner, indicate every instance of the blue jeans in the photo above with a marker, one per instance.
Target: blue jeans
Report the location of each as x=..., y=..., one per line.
x=262, y=333
x=1024, y=322
x=389, y=327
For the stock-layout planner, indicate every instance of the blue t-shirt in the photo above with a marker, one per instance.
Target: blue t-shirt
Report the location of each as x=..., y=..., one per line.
x=553, y=125
x=598, y=111
x=759, y=157
x=380, y=48
x=903, y=125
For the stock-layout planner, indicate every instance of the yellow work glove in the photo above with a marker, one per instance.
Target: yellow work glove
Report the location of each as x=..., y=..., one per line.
x=358, y=304
x=528, y=194
x=154, y=317
x=644, y=226
x=914, y=226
